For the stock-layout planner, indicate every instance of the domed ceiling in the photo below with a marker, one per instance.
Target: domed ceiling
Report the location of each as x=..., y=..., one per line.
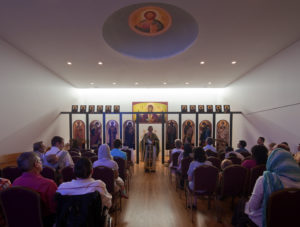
x=150, y=30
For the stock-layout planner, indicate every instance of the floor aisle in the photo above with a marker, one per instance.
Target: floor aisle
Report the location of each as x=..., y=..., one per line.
x=154, y=202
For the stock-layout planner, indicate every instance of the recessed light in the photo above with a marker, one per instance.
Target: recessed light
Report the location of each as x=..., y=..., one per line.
x=69, y=63
x=114, y=83
x=187, y=83
x=100, y=63
x=164, y=83
x=136, y=83
x=209, y=83
x=92, y=83
x=233, y=62
x=202, y=62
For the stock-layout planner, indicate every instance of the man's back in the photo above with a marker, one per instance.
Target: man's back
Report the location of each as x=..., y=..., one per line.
x=118, y=153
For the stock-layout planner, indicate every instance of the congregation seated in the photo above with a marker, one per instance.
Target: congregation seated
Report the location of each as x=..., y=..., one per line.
x=177, y=149
x=116, y=152
x=281, y=172
x=209, y=145
x=242, y=147
x=105, y=159
x=259, y=157
x=84, y=183
x=199, y=160
x=56, y=157
x=187, y=152
x=229, y=151
x=30, y=163
x=39, y=148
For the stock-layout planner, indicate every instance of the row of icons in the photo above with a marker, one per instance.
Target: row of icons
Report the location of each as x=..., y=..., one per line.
x=184, y=109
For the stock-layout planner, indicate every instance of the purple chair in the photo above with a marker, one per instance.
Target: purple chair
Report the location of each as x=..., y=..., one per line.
x=283, y=208
x=215, y=161
x=67, y=174
x=205, y=184
x=22, y=207
x=106, y=175
x=122, y=167
x=48, y=172
x=181, y=176
x=11, y=173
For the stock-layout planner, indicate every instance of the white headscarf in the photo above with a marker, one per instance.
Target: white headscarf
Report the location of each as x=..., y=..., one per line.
x=104, y=152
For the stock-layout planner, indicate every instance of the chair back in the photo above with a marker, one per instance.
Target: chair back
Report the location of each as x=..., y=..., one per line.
x=75, y=159
x=67, y=173
x=106, y=175
x=175, y=159
x=206, y=178
x=255, y=172
x=234, y=180
x=283, y=208
x=11, y=173
x=128, y=155
x=93, y=158
x=21, y=206
x=48, y=172
x=185, y=164
x=122, y=167
x=215, y=161
x=79, y=210
x=235, y=160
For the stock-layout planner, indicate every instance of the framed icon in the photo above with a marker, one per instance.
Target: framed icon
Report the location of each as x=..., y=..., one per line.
x=201, y=108
x=116, y=109
x=227, y=108
x=82, y=108
x=193, y=108
x=99, y=108
x=91, y=109
x=74, y=108
x=218, y=108
x=108, y=109
x=183, y=108
x=209, y=108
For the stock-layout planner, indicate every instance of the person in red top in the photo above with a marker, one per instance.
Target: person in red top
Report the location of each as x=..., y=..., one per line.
x=31, y=164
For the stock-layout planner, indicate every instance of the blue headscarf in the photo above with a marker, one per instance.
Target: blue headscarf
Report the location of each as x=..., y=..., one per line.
x=280, y=163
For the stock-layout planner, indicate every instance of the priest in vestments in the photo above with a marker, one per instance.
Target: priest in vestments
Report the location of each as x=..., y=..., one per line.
x=150, y=150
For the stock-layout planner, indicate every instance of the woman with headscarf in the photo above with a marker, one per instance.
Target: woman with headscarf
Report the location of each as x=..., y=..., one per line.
x=282, y=171
x=105, y=159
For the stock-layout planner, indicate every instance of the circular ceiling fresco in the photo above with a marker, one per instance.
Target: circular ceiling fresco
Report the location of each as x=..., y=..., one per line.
x=150, y=30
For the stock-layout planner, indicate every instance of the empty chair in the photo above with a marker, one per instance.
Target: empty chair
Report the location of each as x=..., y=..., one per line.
x=11, y=173
x=67, y=174
x=48, y=172
x=283, y=208
x=21, y=206
x=80, y=210
x=181, y=176
x=215, y=161
x=205, y=183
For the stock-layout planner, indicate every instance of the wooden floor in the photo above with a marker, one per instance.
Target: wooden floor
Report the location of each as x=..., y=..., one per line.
x=154, y=202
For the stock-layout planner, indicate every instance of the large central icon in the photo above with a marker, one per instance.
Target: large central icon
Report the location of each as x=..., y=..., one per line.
x=150, y=21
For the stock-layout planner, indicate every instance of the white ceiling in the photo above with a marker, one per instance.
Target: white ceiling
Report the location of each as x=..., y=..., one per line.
x=53, y=32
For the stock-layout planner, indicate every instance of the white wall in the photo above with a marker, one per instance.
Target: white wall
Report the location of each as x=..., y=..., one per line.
x=31, y=99
x=269, y=96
